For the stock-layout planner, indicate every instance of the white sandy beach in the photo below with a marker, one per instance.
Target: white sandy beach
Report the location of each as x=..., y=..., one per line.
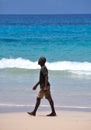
x=63, y=121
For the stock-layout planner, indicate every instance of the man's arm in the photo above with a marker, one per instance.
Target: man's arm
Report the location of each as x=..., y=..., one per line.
x=46, y=82
x=34, y=88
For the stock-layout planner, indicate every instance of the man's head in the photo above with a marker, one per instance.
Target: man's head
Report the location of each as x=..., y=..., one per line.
x=42, y=61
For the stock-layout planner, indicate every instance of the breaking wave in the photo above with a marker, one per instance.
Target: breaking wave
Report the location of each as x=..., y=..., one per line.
x=82, y=68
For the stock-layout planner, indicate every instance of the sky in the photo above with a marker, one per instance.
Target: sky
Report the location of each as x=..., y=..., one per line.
x=45, y=6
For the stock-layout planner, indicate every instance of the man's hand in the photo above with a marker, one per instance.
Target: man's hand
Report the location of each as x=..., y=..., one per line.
x=34, y=88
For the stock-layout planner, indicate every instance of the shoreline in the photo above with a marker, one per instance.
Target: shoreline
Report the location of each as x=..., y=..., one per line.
x=9, y=108
x=65, y=120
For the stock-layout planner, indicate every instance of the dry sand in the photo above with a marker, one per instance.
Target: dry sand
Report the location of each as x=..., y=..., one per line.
x=63, y=121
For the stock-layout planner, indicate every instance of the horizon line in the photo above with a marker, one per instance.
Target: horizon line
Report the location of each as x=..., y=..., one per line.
x=45, y=13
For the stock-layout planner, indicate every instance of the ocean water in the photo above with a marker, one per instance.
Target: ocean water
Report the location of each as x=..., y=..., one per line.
x=65, y=41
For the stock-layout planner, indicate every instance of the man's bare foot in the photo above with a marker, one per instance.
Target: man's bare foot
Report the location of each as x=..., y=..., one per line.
x=52, y=114
x=31, y=113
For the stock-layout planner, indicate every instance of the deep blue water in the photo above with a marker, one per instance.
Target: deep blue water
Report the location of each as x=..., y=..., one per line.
x=58, y=37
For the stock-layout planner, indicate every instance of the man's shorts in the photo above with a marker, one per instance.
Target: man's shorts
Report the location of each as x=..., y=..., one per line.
x=46, y=94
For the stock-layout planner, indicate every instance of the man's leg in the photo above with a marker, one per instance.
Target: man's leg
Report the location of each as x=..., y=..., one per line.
x=36, y=107
x=53, y=113
x=49, y=98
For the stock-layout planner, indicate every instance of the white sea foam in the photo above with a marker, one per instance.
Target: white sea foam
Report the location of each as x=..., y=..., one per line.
x=30, y=105
x=80, y=68
x=18, y=63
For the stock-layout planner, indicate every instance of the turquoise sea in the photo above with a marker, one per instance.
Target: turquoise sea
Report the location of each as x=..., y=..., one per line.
x=65, y=41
